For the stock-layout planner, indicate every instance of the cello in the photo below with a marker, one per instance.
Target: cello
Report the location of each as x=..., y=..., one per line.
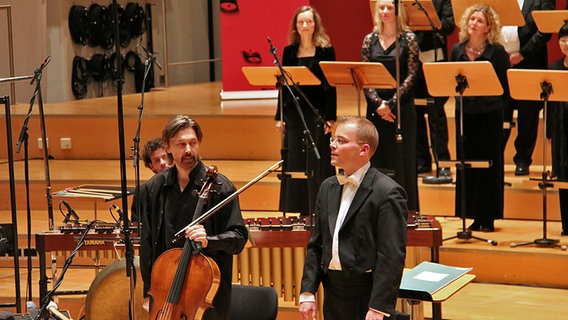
x=184, y=281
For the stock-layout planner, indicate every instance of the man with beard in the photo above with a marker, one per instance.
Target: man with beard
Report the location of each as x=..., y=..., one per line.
x=169, y=206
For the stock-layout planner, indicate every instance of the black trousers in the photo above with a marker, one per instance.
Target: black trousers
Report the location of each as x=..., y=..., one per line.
x=527, y=128
x=346, y=298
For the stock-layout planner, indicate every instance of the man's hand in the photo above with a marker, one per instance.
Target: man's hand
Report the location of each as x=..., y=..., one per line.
x=515, y=58
x=308, y=310
x=374, y=315
x=146, y=304
x=281, y=126
x=197, y=233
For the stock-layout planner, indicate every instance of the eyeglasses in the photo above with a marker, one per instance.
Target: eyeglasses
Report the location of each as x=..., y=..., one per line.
x=340, y=141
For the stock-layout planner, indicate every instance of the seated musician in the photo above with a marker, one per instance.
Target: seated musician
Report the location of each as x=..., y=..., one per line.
x=169, y=206
x=358, y=245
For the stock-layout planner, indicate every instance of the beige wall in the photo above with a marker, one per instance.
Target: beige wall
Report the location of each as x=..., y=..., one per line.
x=40, y=29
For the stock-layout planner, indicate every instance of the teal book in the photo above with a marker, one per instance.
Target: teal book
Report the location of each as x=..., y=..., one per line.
x=422, y=281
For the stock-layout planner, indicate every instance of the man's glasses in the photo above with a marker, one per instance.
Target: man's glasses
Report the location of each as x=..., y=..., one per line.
x=340, y=141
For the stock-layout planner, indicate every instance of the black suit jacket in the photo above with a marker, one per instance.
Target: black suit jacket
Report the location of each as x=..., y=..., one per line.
x=372, y=237
x=533, y=42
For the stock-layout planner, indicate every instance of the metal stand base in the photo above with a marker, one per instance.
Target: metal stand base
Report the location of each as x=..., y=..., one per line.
x=542, y=242
x=467, y=235
x=437, y=180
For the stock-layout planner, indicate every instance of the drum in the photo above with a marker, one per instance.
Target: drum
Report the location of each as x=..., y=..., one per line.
x=108, y=296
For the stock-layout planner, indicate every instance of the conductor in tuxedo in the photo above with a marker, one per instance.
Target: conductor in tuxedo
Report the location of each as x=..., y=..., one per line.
x=358, y=244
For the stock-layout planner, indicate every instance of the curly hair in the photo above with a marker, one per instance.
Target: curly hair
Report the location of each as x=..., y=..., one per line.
x=319, y=39
x=151, y=146
x=403, y=26
x=492, y=20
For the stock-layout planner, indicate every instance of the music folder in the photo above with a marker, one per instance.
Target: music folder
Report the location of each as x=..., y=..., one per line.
x=427, y=278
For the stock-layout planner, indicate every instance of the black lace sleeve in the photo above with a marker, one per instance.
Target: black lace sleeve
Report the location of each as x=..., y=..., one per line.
x=371, y=94
x=412, y=65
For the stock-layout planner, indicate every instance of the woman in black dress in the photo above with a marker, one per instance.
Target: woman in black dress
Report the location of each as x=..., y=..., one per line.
x=309, y=44
x=482, y=121
x=557, y=131
x=392, y=157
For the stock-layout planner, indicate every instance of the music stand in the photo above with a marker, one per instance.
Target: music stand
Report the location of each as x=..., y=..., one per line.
x=415, y=17
x=296, y=76
x=359, y=75
x=508, y=10
x=539, y=85
x=270, y=76
x=549, y=21
x=476, y=78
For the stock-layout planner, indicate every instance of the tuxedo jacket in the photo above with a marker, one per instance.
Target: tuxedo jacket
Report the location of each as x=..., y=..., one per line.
x=533, y=42
x=372, y=236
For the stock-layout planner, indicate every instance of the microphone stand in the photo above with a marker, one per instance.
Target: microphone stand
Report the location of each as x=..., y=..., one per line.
x=437, y=179
x=309, y=139
x=24, y=138
x=129, y=250
x=150, y=59
x=43, y=314
x=399, y=169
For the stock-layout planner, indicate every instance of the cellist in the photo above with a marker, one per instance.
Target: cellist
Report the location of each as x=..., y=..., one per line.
x=170, y=202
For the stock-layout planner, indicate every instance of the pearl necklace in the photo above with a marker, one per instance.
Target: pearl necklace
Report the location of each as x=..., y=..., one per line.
x=477, y=52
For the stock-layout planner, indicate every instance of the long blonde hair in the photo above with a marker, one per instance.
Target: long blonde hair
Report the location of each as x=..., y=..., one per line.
x=492, y=20
x=319, y=39
x=402, y=25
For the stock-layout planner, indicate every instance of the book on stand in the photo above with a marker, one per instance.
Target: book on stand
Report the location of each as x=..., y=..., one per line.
x=427, y=278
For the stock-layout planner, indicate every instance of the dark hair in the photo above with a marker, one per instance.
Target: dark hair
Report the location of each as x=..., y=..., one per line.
x=563, y=31
x=151, y=146
x=178, y=123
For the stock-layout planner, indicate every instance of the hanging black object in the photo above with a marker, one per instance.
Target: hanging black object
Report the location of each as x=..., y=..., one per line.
x=78, y=27
x=113, y=64
x=135, y=19
x=80, y=77
x=123, y=27
x=100, y=28
x=99, y=67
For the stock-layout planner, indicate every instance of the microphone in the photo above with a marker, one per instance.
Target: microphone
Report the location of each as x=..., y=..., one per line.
x=41, y=67
x=53, y=309
x=115, y=209
x=272, y=48
x=70, y=213
x=151, y=56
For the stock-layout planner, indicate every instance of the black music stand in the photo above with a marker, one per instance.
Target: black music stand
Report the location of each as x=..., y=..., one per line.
x=539, y=85
x=466, y=79
x=359, y=75
x=296, y=76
